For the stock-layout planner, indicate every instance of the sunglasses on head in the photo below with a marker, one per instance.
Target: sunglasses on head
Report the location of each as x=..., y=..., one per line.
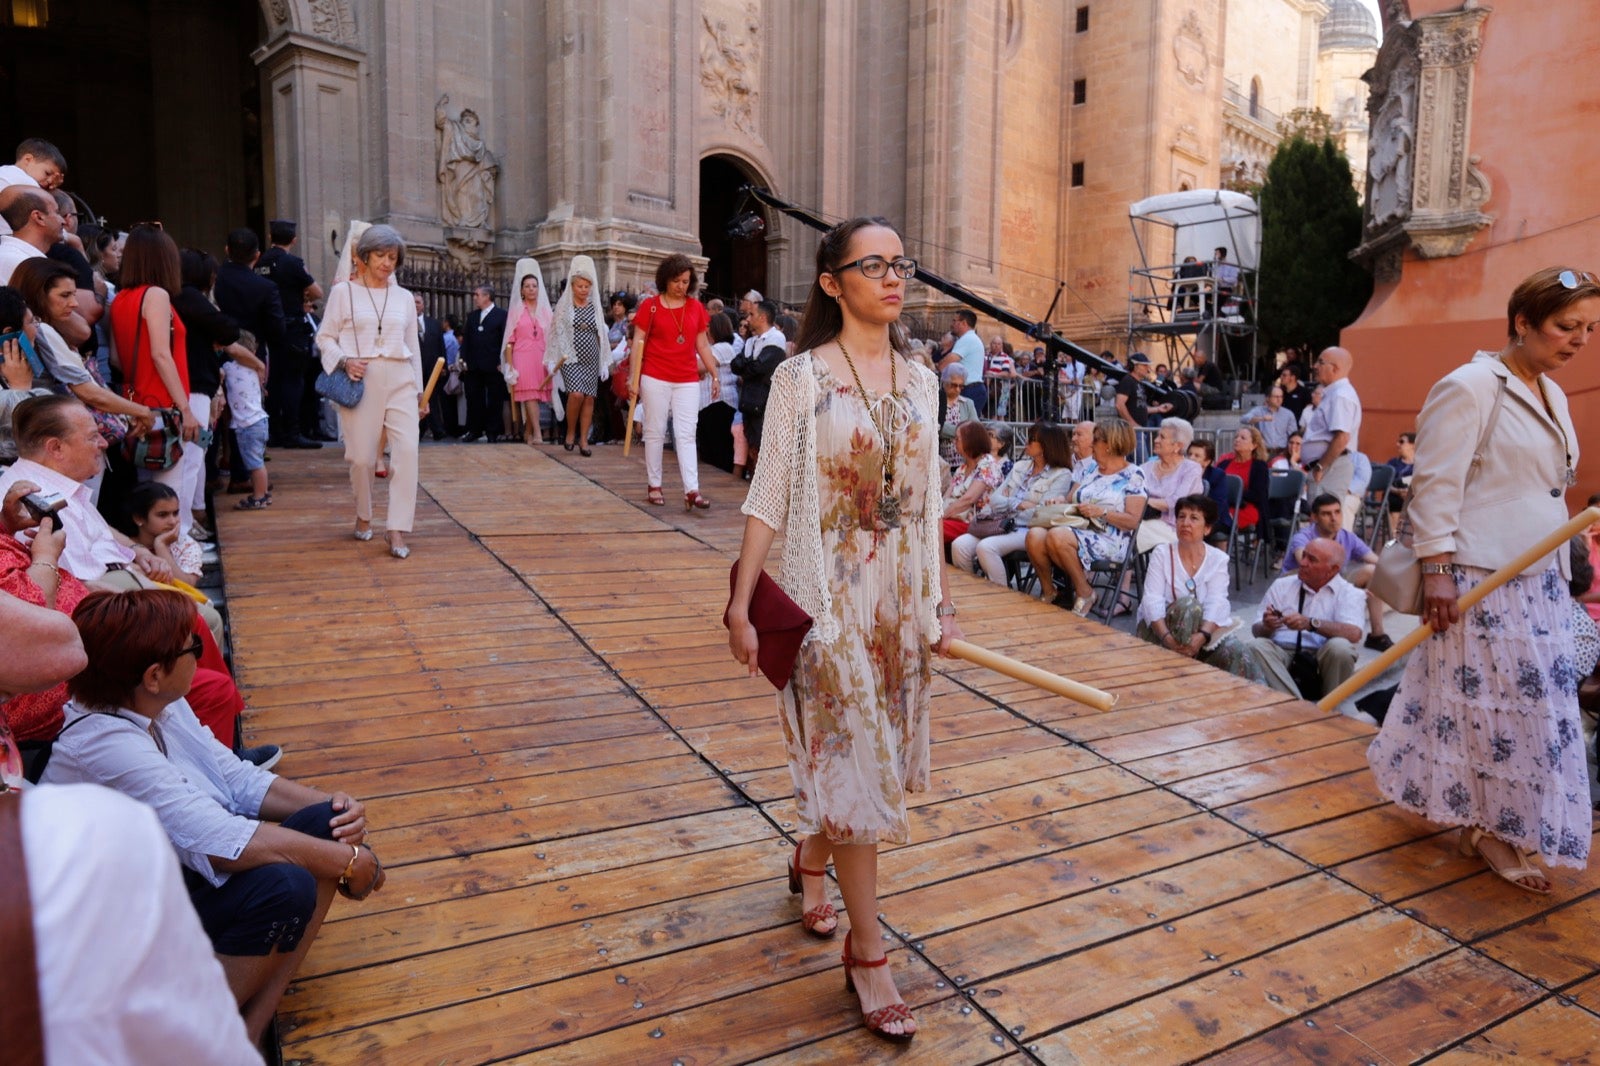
x=1571, y=279
x=152, y=224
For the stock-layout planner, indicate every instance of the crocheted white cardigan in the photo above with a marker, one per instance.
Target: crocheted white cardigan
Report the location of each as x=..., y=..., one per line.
x=783, y=491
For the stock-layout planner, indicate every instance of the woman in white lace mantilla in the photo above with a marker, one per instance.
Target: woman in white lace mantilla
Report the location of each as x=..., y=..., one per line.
x=851, y=468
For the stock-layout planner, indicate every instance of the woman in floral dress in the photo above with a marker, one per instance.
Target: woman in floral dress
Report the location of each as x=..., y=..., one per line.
x=850, y=466
x=1484, y=732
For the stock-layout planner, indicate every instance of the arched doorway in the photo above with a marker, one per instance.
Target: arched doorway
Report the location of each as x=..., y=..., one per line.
x=155, y=104
x=737, y=265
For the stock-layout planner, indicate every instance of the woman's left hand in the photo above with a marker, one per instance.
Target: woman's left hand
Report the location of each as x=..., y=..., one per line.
x=949, y=629
x=350, y=820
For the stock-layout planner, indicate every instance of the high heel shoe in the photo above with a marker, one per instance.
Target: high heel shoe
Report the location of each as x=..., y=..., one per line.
x=1467, y=843
x=568, y=445
x=876, y=1020
x=812, y=919
x=652, y=494
x=364, y=534
x=691, y=500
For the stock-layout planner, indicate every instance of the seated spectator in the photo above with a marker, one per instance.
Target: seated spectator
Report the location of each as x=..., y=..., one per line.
x=1400, y=487
x=266, y=853
x=1043, y=472
x=1216, y=487
x=1169, y=475
x=153, y=510
x=1185, y=600
x=1248, y=463
x=31, y=573
x=16, y=368
x=49, y=293
x=61, y=449
x=954, y=410
x=36, y=225
x=1289, y=459
x=1001, y=442
x=1112, y=500
x=974, y=479
x=1207, y=375
x=1314, y=611
x=1273, y=419
x=1082, y=451
x=1327, y=523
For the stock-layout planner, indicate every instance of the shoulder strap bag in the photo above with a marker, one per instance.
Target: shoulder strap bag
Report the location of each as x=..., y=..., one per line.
x=162, y=447
x=21, y=1016
x=1397, y=581
x=338, y=386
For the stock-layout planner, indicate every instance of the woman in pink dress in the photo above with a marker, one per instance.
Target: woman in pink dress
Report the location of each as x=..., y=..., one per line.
x=527, y=333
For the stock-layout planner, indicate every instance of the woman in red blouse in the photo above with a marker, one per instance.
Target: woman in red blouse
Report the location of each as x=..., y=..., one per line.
x=1248, y=463
x=671, y=352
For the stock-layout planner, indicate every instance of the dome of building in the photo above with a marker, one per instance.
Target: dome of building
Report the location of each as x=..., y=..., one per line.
x=1348, y=24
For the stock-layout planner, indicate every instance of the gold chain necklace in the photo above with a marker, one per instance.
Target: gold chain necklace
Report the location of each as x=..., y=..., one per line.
x=677, y=318
x=888, y=500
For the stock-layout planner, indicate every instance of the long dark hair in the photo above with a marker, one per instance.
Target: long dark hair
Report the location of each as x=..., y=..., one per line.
x=822, y=319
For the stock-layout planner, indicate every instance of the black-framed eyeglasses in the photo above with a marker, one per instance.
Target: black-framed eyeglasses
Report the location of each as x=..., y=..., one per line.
x=1571, y=279
x=876, y=266
x=197, y=648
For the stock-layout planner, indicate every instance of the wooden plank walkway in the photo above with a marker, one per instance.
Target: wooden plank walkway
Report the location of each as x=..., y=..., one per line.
x=583, y=806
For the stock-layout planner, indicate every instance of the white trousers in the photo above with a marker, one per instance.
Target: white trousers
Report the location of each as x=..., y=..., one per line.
x=680, y=400
x=187, y=477
x=388, y=403
x=990, y=552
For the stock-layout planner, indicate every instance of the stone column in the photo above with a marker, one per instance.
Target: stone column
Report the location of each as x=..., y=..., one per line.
x=312, y=108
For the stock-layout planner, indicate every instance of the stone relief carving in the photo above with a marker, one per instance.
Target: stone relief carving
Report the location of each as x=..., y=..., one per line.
x=333, y=20
x=1190, y=54
x=279, y=10
x=466, y=174
x=730, y=68
x=1426, y=190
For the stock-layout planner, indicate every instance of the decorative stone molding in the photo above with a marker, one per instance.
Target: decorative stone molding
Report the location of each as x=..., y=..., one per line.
x=1190, y=54
x=333, y=20
x=730, y=68
x=1425, y=190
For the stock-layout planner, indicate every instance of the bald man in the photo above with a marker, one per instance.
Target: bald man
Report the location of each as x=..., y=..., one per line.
x=1312, y=610
x=35, y=222
x=1333, y=428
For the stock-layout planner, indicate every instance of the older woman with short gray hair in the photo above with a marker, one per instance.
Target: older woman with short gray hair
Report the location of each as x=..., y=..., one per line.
x=1168, y=475
x=954, y=409
x=369, y=331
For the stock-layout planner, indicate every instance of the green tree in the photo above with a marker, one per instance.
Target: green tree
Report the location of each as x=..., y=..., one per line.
x=1310, y=222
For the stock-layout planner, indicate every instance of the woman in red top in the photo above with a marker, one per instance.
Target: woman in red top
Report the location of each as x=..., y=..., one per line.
x=1248, y=463
x=671, y=352
x=146, y=334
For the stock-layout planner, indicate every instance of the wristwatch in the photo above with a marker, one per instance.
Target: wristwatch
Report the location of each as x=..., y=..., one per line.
x=946, y=610
x=1438, y=568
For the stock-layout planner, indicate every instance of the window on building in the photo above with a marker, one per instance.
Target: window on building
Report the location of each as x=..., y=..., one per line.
x=1255, y=97
x=1083, y=19
x=1080, y=90
x=1077, y=175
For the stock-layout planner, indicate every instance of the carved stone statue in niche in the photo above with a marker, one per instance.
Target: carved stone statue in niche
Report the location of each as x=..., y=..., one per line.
x=1394, y=133
x=730, y=64
x=467, y=169
x=1190, y=55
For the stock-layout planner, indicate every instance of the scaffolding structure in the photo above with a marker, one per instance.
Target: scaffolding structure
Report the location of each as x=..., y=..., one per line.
x=1181, y=296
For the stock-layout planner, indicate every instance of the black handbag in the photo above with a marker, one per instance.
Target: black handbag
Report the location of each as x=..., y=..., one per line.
x=1303, y=665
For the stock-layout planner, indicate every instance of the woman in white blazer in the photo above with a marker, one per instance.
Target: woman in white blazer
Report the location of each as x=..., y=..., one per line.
x=1483, y=733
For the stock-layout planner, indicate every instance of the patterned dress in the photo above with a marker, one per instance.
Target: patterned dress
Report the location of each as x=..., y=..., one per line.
x=1484, y=729
x=1111, y=492
x=581, y=373
x=855, y=715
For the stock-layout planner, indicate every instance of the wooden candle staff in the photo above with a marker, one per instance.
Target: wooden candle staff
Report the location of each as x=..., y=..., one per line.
x=433, y=380
x=1061, y=686
x=1580, y=522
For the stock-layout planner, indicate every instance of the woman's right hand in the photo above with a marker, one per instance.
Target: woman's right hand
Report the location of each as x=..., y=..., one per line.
x=1439, y=607
x=744, y=643
x=355, y=369
x=48, y=541
x=14, y=367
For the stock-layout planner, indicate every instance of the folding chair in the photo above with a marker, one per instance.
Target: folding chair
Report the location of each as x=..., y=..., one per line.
x=1373, y=518
x=1285, y=492
x=1235, y=486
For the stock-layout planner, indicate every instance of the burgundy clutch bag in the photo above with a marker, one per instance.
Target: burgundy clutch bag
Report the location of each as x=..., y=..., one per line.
x=780, y=626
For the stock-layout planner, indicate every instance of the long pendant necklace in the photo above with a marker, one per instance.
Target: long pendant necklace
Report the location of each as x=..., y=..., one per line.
x=888, y=499
x=678, y=318
x=373, y=301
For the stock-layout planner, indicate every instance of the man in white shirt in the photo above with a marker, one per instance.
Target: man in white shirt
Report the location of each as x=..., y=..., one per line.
x=1313, y=609
x=35, y=224
x=1274, y=420
x=39, y=165
x=762, y=330
x=1333, y=427
x=60, y=449
x=969, y=349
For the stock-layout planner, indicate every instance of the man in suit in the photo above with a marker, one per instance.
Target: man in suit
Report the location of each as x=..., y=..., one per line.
x=253, y=302
x=480, y=350
x=432, y=334
x=287, y=368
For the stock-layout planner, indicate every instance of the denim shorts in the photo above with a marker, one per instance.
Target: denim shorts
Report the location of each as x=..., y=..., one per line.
x=252, y=446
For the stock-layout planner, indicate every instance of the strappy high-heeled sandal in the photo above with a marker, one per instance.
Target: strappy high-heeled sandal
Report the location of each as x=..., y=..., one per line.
x=1467, y=844
x=691, y=500
x=812, y=920
x=652, y=494
x=876, y=1020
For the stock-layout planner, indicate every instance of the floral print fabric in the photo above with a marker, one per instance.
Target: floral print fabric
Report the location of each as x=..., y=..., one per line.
x=1484, y=729
x=1110, y=491
x=855, y=714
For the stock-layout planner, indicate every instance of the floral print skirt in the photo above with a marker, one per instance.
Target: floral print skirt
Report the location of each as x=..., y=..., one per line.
x=1484, y=729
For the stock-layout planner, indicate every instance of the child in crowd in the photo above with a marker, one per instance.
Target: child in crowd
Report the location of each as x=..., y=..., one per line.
x=154, y=510
x=249, y=428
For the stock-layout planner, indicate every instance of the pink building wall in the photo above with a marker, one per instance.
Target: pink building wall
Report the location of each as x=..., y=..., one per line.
x=1536, y=99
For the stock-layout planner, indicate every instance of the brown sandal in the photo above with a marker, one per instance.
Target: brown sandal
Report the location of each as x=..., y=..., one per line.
x=691, y=500
x=876, y=1020
x=813, y=919
x=652, y=493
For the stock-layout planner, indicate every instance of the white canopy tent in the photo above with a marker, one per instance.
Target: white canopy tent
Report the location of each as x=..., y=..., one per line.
x=1203, y=220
